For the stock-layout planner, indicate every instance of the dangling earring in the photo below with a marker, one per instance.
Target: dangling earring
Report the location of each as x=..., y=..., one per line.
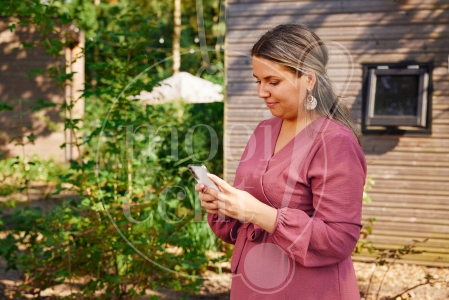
x=310, y=102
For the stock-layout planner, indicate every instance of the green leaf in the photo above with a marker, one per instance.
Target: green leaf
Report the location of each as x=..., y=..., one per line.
x=35, y=72
x=12, y=27
x=85, y=202
x=26, y=45
x=41, y=104
x=31, y=138
x=5, y=106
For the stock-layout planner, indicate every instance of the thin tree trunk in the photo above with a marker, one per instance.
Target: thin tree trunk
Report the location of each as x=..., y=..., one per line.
x=176, y=35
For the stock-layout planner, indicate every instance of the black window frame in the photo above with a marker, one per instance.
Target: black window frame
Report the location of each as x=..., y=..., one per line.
x=397, y=125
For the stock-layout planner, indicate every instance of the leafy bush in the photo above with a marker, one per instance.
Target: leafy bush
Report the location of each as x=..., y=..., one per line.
x=363, y=244
x=163, y=234
x=16, y=174
x=136, y=223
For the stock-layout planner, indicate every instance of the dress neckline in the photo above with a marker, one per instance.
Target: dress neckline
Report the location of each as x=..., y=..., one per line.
x=277, y=131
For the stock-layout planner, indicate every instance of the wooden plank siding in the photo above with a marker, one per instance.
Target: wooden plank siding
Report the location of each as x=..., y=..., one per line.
x=410, y=197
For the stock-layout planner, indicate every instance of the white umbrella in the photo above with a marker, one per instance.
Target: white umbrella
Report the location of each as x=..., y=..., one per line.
x=183, y=86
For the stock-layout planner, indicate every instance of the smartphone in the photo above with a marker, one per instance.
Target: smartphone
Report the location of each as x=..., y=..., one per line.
x=200, y=173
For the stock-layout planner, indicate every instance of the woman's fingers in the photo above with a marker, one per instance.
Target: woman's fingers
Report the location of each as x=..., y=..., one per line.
x=209, y=204
x=199, y=187
x=210, y=191
x=206, y=197
x=220, y=182
x=210, y=207
x=222, y=205
x=212, y=210
x=206, y=193
x=209, y=196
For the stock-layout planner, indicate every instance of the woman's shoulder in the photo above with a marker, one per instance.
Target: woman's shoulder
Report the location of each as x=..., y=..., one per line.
x=338, y=144
x=333, y=129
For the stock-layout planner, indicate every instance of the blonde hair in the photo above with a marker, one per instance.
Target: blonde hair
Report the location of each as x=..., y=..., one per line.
x=297, y=48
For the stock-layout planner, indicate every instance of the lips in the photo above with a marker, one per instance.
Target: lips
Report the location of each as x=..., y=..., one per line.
x=271, y=104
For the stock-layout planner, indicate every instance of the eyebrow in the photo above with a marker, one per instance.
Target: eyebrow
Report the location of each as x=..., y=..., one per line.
x=267, y=77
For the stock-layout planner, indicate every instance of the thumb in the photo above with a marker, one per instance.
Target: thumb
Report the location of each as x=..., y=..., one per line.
x=220, y=182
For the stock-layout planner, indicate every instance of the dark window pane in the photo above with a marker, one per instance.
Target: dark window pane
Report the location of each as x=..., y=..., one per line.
x=396, y=95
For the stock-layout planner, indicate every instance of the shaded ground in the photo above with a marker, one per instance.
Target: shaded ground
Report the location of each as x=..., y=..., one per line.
x=216, y=287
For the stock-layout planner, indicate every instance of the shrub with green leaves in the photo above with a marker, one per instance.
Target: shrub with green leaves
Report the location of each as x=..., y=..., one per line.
x=136, y=222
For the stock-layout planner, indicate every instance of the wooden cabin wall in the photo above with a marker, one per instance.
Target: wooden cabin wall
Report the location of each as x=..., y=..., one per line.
x=410, y=197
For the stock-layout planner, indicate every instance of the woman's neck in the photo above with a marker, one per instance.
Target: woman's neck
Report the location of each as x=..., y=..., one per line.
x=296, y=125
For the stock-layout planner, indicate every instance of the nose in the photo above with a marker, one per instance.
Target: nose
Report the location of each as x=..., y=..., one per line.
x=262, y=91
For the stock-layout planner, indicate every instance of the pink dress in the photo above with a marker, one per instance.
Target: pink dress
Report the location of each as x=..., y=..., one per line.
x=316, y=184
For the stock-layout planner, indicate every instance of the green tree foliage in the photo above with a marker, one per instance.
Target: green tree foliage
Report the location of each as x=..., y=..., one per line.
x=136, y=223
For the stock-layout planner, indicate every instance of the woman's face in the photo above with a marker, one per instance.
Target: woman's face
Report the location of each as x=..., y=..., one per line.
x=282, y=91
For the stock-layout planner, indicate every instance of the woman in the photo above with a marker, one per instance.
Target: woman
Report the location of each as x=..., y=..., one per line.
x=294, y=213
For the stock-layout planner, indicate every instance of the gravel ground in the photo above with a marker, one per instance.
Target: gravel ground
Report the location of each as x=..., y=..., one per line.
x=401, y=277
x=216, y=287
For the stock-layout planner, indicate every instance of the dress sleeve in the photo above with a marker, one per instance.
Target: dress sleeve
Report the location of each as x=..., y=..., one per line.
x=225, y=229
x=336, y=175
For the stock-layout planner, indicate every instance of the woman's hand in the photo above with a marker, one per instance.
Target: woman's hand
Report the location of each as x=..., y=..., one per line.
x=236, y=204
x=208, y=201
x=231, y=202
